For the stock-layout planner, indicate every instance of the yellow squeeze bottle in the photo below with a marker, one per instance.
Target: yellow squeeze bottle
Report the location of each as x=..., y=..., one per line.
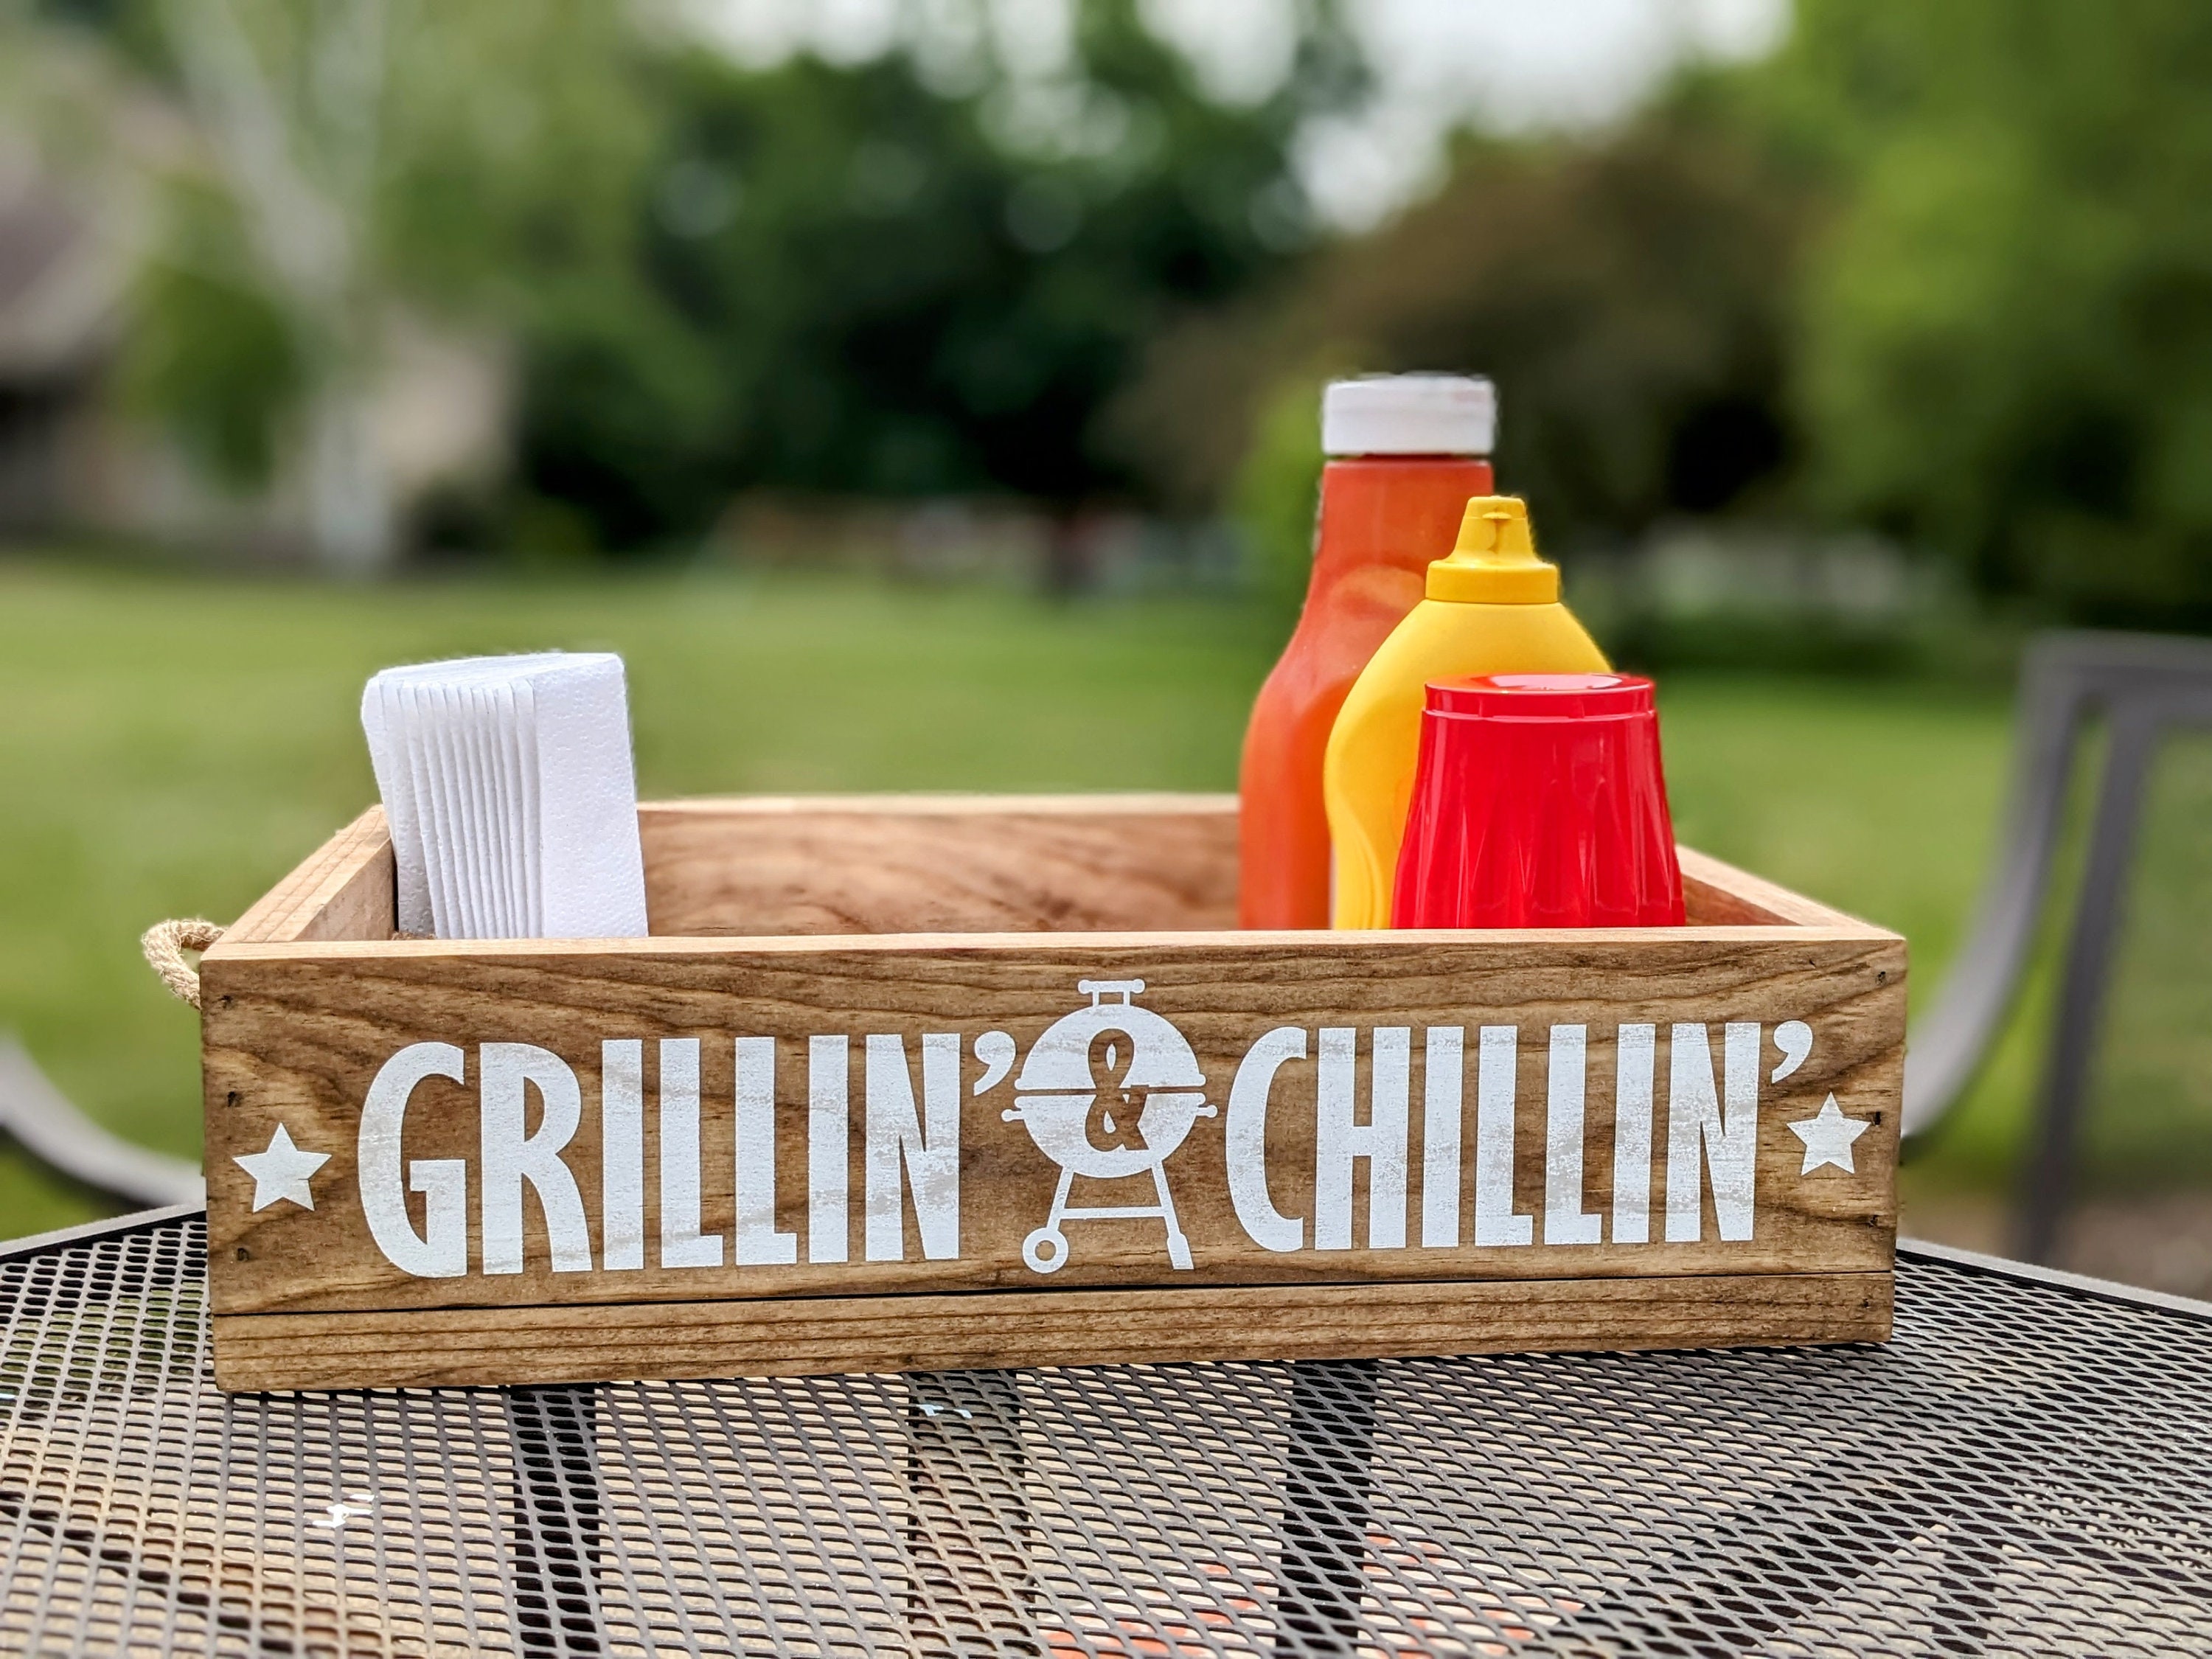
x=1492, y=607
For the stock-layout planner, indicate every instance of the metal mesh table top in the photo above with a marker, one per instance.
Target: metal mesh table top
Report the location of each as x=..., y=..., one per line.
x=2027, y=1468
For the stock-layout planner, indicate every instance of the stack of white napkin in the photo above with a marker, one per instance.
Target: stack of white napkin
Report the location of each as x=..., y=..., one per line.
x=512, y=803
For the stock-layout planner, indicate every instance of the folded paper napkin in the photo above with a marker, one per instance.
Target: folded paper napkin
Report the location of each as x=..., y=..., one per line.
x=508, y=786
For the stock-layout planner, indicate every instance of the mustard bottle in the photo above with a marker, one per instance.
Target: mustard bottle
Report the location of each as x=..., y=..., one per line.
x=1491, y=607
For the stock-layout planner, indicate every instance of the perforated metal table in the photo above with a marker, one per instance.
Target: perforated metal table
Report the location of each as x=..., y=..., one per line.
x=2027, y=1468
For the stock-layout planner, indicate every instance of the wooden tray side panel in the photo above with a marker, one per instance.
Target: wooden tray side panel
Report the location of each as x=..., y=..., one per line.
x=345, y=890
x=295, y=1037
x=1717, y=895
x=920, y=865
x=939, y=1333
x=781, y=865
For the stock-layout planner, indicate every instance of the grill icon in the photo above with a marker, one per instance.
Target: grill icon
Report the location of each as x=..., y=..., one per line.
x=1058, y=1089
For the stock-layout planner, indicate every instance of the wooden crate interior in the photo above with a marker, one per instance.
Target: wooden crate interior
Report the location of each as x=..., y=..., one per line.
x=888, y=864
x=998, y=910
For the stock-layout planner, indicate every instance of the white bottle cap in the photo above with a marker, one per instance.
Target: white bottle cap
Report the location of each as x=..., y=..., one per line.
x=1409, y=414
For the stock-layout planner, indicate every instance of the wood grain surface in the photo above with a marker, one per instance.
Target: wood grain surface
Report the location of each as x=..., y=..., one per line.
x=1717, y=895
x=920, y=863
x=295, y=1034
x=308, y=997
x=904, y=864
x=940, y=1332
x=345, y=890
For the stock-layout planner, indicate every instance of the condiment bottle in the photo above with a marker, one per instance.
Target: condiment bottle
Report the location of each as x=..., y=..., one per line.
x=1491, y=607
x=1405, y=451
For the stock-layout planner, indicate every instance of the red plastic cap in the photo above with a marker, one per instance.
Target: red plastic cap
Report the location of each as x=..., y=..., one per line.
x=1539, y=801
x=1542, y=696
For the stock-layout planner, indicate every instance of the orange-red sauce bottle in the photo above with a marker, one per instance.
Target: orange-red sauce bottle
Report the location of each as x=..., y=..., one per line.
x=1405, y=452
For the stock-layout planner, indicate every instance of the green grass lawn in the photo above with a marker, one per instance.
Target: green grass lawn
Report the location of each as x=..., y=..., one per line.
x=174, y=746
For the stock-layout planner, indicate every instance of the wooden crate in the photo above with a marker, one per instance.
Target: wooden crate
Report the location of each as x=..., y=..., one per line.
x=776, y=1137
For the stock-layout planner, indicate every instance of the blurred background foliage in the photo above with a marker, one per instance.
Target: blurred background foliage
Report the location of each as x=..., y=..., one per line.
x=1932, y=272
x=859, y=281
x=2004, y=333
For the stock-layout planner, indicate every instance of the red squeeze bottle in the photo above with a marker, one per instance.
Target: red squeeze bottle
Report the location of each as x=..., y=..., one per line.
x=1405, y=452
x=1539, y=801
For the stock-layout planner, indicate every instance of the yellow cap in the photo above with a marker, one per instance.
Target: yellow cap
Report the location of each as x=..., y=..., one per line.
x=1495, y=562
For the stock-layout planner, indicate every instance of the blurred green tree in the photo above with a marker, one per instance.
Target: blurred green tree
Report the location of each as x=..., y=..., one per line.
x=1629, y=293
x=891, y=278
x=2006, y=330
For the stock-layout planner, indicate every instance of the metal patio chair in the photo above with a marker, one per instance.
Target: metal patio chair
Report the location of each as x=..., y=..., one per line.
x=2142, y=685
x=47, y=1125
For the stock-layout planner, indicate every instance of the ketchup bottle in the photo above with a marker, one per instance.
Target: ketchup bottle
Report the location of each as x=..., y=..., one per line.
x=1405, y=452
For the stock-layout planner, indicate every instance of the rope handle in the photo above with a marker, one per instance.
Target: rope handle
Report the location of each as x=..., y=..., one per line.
x=165, y=943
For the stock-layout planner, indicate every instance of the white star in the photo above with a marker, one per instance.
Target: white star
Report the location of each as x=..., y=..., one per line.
x=1828, y=1138
x=282, y=1172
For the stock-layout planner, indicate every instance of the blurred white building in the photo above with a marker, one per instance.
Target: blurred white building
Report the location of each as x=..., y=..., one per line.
x=74, y=463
